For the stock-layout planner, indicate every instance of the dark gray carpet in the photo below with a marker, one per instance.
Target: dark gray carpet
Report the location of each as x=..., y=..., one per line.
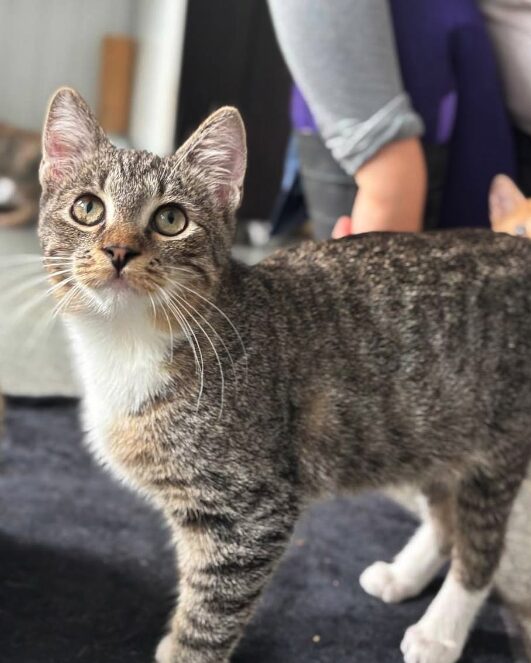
x=86, y=575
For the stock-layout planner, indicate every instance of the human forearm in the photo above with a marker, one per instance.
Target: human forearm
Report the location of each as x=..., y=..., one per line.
x=343, y=58
x=392, y=191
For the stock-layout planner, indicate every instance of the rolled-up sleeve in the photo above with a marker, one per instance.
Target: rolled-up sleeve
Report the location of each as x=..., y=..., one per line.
x=343, y=57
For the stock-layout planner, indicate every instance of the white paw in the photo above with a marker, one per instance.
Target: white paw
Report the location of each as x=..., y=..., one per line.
x=164, y=650
x=421, y=646
x=381, y=580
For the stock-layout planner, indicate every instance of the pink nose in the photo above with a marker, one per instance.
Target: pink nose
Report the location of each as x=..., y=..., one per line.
x=120, y=255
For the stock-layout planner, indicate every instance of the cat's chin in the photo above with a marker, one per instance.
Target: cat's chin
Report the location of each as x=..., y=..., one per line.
x=117, y=295
x=120, y=285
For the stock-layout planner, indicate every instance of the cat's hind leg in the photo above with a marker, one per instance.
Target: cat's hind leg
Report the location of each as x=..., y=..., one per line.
x=420, y=560
x=410, y=571
x=482, y=507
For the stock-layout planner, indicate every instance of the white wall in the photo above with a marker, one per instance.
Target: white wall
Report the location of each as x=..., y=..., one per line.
x=48, y=43
x=160, y=29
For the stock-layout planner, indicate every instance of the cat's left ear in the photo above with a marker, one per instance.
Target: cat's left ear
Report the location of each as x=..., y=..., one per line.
x=504, y=199
x=218, y=150
x=71, y=134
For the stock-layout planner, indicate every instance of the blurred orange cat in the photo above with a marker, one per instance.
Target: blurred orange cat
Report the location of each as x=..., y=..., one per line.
x=510, y=210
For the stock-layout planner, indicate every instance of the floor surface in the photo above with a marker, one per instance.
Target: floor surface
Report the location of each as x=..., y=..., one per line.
x=86, y=573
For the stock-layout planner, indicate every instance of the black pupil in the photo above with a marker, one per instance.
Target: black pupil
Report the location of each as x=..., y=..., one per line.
x=171, y=217
x=90, y=206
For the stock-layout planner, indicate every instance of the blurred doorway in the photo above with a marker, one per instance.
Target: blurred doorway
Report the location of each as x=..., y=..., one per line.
x=231, y=57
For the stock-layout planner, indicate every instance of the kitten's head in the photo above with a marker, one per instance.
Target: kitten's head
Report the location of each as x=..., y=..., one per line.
x=510, y=210
x=124, y=224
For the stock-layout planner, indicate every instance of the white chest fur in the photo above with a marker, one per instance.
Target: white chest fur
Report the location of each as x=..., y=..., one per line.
x=121, y=363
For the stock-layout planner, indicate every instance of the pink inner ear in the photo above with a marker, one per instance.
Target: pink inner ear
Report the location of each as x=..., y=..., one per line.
x=58, y=149
x=504, y=197
x=59, y=154
x=224, y=165
x=228, y=189
x=217, y=149
x=237, y=162
x=503, y=202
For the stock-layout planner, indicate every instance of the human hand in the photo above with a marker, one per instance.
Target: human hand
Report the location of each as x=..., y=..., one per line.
x=391, y=192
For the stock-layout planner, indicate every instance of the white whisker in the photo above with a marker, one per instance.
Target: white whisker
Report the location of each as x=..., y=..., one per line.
x=188, y=332
x=20, y=259
x=46, y=316
x=39, y=298
x=43, y=327
x=60, y=307
x=191, y=338
x=220, y=365
x=170, y=329
x=30, y=284
x=185, y=270
x=207, y=301
x=207, y=322
x=63, y=282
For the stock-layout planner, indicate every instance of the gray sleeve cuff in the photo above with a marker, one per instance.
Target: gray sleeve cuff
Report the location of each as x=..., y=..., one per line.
x=353, y=142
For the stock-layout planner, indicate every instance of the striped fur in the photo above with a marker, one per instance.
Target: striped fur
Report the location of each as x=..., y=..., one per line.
x=330, y=368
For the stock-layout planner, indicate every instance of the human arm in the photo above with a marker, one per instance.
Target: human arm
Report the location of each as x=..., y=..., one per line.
x=343, y=57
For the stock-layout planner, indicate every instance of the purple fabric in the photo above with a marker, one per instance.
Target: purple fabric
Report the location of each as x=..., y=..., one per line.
x=449, y=70
x=446, y=118
x=450, y=73
x=301, y=116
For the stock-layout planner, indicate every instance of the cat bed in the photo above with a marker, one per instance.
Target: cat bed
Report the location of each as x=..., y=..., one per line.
x=86, y=573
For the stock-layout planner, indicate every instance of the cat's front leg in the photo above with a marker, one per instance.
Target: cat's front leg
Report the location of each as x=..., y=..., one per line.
x=223, y=568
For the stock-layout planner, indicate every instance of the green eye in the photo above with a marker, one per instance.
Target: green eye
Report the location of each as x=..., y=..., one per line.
x=169, y=220
x=88, y=210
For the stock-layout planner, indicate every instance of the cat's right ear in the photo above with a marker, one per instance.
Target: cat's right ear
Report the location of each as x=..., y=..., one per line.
x=504, y=198
x=71, y=134
x=219, y=150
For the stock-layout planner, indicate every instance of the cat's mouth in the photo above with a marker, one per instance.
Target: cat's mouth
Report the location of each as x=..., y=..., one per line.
x=109, y=287
x=119, y=283
x=104, y=280
x=117, y=292
x=120, y=286
x=126, y=287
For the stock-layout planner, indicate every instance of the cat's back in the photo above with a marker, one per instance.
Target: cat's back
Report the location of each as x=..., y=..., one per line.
x=404, y=318
x=457, y=285
x=440, y=259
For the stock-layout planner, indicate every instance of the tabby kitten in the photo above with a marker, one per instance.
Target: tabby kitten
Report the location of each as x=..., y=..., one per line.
x=232, y=396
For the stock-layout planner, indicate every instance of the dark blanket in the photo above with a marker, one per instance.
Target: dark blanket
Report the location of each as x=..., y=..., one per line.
x=86, y=575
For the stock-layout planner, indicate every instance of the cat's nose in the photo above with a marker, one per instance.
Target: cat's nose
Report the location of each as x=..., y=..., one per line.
x=120, y=255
